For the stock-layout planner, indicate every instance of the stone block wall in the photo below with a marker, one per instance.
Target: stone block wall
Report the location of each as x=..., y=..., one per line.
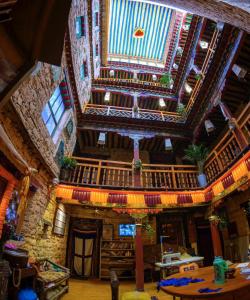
x=80, y=49
x=96, y=38
x=22, y=121
x=29, y=100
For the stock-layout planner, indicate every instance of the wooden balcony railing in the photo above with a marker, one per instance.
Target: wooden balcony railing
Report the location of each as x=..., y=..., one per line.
x=171, y=177
x=126, y=112
x=117, y=174
x=106, y=173
x=229, y=148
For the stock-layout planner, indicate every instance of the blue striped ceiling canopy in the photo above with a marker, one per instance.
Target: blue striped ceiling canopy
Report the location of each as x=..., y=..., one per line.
x=138, y=32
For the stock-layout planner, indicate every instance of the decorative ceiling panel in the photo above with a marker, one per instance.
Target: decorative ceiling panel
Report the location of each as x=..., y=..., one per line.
x=138, y=31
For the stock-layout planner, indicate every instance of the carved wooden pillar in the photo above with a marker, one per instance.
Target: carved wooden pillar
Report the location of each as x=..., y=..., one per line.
x=137, y=173
x=215, y=237
x=236, y=130
x=139, y=259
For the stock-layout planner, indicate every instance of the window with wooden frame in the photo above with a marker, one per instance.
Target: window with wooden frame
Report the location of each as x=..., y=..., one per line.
x=80, y=26
x=84, y=70
x=53, y=111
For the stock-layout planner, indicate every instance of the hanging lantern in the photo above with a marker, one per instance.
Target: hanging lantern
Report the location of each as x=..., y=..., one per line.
x=111, y=73
x=209, y=126
x=154, y=77
x=240, y=72
x=188, y=88
x=107, y=97
x=175, y=66
x=162, y=102
x=203, y=44
x=168, y=145
x=102, y=138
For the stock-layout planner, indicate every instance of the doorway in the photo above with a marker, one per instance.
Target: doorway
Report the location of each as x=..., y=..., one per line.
x=204, y=241
x=84, y=247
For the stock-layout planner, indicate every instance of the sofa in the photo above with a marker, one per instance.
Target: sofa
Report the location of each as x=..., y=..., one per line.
x=52, y=279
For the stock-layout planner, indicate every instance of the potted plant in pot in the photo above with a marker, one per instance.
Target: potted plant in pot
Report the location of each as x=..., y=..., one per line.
x=166, y=80
x=68, y=164
x=197, y=154
x=137, y=164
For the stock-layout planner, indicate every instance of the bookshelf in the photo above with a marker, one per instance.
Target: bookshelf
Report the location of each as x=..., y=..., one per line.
x=117, y=255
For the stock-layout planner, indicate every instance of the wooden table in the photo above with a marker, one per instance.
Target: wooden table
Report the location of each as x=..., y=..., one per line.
x=237, y=288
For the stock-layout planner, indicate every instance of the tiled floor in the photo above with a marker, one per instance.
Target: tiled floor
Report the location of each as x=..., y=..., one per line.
x=100, y=290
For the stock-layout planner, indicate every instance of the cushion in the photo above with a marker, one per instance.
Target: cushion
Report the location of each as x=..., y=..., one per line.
x=51, y=276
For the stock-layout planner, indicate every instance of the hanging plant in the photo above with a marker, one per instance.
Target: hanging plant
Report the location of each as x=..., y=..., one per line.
x=137, y=164
x=148, y=229
x=68, y=163
x=198, y=77
x=181, y=109
x=166, y=80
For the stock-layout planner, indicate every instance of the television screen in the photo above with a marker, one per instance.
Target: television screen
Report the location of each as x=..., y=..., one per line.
x=126, y=229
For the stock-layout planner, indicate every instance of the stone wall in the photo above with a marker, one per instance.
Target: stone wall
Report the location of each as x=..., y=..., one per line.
x=96, y=38
x=29, y=100
x=80, y=49
x=22, y=121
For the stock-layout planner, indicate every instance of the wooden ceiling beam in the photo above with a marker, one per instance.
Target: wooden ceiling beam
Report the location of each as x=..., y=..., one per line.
x=183, y=135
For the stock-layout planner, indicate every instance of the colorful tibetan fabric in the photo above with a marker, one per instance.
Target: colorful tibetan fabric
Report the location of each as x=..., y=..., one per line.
x=152, y=200
x=117, y=199
x=178, y=281
x=82, y=196
x=228, y=181
x=65, y=94
x=184, y=199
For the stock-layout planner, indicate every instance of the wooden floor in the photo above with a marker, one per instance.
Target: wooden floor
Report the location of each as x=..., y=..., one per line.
x=100, y=290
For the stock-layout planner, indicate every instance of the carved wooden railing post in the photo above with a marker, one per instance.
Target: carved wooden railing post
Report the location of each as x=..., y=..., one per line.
x=237, y=132
x=99, y=172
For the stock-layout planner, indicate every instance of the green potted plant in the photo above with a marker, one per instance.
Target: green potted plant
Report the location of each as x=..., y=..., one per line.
x=181, y=109
x=137, y=164
x=197, y=154
x=198, y=77
x=166, y=80
x=68, y=164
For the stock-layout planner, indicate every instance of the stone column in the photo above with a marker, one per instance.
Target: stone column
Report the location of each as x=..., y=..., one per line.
x=139, y=259
x=234, y=125
x=215, y=236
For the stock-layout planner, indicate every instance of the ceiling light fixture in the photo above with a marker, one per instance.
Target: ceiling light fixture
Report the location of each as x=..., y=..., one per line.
x=203, y=44
x=162, y=102
x=111, y=73
x=168, y=145
x=102, y=138
x=154, y=77
x=188, y=88
x=107, y=97
x=209, y=126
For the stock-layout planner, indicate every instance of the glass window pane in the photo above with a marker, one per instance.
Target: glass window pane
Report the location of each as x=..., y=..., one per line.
x=59, y=113
x=46, y=113
x=51, y=125
x=57, y=104
x=54, y=96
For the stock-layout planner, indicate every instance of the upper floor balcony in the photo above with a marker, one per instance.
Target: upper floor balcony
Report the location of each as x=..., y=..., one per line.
x=122, y=175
